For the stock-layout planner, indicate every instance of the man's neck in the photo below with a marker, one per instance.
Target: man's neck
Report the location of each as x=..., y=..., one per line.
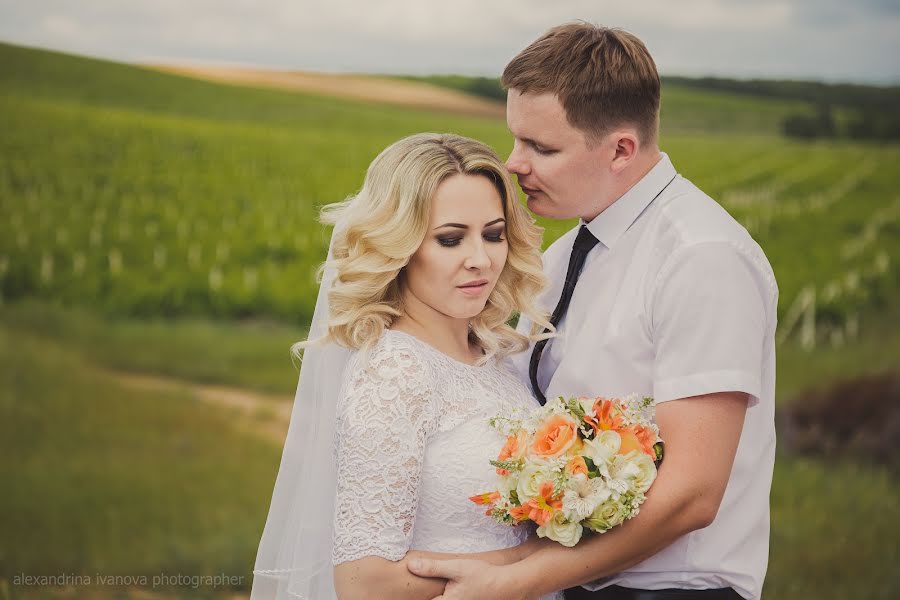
x=628, y=178
x=643, y=165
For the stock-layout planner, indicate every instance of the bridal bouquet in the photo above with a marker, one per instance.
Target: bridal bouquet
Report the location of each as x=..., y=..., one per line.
x=575, y=464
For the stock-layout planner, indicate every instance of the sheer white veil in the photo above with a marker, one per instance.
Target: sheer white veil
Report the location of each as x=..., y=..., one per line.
x=294, y=556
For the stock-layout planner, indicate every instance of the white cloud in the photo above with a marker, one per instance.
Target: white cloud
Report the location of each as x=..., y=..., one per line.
x=801, y=38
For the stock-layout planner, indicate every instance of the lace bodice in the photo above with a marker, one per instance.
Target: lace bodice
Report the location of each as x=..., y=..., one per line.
x=412, y=443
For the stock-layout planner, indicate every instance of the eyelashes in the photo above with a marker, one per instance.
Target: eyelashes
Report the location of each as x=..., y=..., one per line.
x=449, y=242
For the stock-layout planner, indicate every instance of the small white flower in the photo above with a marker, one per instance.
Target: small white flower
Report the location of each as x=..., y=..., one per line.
x=636, y=469
x=582, y=495
x=602, y=450
x=587, y=405
x=507, y=483
x=618, y=486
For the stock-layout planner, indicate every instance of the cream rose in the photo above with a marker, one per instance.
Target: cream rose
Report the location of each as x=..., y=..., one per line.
x=645, y=475
x=602, y=448
x=530, y=480
x=560, y=530
x=606, y=516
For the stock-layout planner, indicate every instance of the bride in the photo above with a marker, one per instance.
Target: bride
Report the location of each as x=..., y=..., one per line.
x=402, y=369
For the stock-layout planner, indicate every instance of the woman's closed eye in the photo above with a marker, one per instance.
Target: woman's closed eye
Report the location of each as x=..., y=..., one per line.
x=492, y=235
x=449, y=241
x=495, y=235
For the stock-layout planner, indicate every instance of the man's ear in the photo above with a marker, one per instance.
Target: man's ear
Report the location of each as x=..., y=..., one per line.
x=626, y=149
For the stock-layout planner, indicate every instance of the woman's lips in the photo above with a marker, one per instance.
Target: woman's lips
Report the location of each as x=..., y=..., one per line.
x=474, y=288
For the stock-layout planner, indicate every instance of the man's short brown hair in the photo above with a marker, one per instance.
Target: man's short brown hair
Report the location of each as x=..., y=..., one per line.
x=603, y=77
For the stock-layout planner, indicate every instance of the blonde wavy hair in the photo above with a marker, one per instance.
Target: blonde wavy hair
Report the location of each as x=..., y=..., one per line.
x=379, y=229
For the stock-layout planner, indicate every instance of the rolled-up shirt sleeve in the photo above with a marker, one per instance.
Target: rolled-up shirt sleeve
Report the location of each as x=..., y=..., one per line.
x=709, y=323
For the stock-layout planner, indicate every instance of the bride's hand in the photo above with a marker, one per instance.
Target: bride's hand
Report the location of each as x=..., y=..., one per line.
x=469, y=579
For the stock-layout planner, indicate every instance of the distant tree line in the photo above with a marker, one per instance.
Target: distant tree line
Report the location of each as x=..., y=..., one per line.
x=873, y=111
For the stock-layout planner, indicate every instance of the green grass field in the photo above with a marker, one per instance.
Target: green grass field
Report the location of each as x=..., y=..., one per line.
x=163, y=225
x=103, y=479
x=145, y=194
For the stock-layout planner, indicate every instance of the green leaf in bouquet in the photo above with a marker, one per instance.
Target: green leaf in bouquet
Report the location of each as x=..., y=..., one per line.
x=593, y=471
x=658, y=450
x=574, y=407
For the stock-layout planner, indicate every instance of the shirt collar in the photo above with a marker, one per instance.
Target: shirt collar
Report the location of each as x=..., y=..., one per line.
x=609, y=225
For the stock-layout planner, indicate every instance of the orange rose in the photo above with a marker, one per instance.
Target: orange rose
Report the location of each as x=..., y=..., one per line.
x=576, y=466
x=637, y=437
x=554, y=437
x=607, y=416
x=647, y=438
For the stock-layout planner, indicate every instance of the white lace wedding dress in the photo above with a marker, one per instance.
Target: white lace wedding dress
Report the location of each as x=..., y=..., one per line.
x=412, y=444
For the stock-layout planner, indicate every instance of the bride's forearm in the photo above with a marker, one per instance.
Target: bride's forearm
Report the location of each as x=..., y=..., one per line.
x=504, y=556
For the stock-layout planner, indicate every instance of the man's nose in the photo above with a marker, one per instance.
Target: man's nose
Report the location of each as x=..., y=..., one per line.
x=516, y=162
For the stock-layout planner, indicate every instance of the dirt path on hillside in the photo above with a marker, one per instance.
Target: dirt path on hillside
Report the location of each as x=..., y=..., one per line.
x=358, y=87
x=263, y=414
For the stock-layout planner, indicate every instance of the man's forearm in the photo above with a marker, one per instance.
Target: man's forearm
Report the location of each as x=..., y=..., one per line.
x=660, y=522
x=685, y=497
x=510, y=555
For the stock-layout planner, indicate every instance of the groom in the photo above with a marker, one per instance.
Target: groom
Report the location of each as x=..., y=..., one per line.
x=657, y=291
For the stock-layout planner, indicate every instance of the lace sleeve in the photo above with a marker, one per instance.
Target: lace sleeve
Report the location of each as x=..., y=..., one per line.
x=383, y=422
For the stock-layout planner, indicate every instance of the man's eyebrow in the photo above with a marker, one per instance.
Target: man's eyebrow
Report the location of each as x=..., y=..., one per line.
x=461, y=226
x=527, y=140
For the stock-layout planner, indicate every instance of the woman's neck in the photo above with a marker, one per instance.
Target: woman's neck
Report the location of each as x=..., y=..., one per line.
x=448, y=334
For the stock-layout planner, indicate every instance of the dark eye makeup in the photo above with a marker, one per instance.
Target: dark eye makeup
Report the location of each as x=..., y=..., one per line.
x=494, y=235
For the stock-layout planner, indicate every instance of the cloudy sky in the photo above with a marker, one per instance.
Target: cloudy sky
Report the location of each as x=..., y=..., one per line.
x=832, y=40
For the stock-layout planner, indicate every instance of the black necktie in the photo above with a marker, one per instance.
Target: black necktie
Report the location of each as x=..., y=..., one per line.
x=584, y=242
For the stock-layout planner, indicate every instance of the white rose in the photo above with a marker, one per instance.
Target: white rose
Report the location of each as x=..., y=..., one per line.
x=611, y=440
x=624, y=466
x=530, y=480
x=646, y=473
x=607, y=515
x=636, y=469
x=602, y=449
x=560, y=530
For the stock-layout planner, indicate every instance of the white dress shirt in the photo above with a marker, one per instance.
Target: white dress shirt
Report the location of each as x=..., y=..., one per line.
x=676, y=300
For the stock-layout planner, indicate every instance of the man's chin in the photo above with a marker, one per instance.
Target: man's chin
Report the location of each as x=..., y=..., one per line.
x=537, y=206
x=542, y=208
